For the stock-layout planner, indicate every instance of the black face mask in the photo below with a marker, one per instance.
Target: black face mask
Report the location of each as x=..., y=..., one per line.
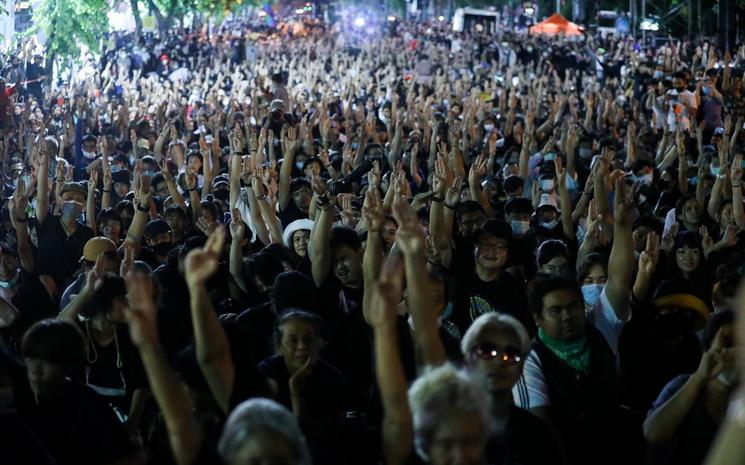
x=680, y=89
x=161, y=249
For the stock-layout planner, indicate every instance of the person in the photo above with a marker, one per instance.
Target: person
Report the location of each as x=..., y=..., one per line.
x=683, y=421
x=95, y=247
x=72, y=421
x=495, y=347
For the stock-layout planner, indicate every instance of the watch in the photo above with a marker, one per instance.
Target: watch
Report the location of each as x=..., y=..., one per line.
x=144, y=209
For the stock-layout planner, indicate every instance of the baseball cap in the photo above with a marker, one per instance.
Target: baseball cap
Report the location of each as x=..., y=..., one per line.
x=73, y=187
x=155, y=227
x=548, y=200
x=96, y=246
x=277, y=105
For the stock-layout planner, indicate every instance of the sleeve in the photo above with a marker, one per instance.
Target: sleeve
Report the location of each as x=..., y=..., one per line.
x=531, y=390
x=603, y=316
x=668, y=392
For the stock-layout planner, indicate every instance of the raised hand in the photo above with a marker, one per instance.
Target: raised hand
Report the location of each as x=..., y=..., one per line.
x=386, y=293
x=372, y=211
x=409, y=236
x=128, y=261
x=624, y=202
x=736, y=170
x=141, y=313
x=650, y=256
x=299, y=379
x=202, y=263
x=237, y=226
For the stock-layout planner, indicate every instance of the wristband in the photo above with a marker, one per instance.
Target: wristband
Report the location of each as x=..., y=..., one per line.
x=452, y=207
x=144, y=209
x=108, y=191
x=191, y=190
x=736, y=185
x=437, y=199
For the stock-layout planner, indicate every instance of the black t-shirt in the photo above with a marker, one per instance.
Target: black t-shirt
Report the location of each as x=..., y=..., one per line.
x=116, y=366
x=33, y=303
x=77, y=428
x=527, y=440
x=291, y=213
x=59, y=254
x=20, y=444
x=474, y=297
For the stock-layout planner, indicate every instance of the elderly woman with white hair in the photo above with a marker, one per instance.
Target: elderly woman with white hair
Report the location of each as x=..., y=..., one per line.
x=257, y=431
x=494, y=348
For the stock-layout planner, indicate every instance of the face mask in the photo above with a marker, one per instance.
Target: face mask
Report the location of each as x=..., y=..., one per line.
x=706, y=90
x=680, y=89
x=71, y=209
x=89, y=155
x=519, y=227
x=715, y=170
x=585, y=153
x=550, y=224
x=658, y=74
x=549, y=156
x=693, y=180
x=299, y=165
x=591, y=293
x=447, y=311
x=11, y=283
x=547, y=185
x=161, y=249
x=488, y=128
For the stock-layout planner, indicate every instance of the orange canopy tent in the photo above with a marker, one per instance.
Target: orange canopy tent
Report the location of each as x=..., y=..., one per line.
x=556, y=24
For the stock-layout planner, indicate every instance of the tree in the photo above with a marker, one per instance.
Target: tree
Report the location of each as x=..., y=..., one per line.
x=69, y=23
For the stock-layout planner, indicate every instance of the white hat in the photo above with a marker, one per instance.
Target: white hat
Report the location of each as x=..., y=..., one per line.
x=292, y=228
x=548, y=200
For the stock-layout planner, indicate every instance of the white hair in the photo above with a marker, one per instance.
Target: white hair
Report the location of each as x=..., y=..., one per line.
x=439, y=394
x=256, y=416
x=495, y=320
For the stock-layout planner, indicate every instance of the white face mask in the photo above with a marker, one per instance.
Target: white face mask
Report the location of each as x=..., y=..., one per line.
x=488, y=128
x=547, y=185
x=550, y=224
x=89, y=155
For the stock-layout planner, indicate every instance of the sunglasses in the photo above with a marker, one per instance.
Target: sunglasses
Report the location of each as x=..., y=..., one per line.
x=489, y=351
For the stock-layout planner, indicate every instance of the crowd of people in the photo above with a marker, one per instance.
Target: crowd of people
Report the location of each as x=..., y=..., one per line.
x=253, y=246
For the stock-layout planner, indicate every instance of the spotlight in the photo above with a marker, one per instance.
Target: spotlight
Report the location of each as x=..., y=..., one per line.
x=440, y=18
x=529, y=11
x=359, y=21
x=392, y=19
x=299, y=11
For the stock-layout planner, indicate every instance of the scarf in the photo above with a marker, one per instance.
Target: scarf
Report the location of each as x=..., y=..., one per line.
x=575, y=353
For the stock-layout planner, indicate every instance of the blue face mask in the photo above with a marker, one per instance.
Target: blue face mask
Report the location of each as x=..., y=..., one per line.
x=706, y=90
x=519, y=227
x=715, y=170
x=447, y=311
x=591, y=293
x=550, y=224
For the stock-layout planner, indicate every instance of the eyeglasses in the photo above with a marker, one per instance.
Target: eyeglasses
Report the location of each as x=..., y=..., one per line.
x=489, y=351
x=496, y=246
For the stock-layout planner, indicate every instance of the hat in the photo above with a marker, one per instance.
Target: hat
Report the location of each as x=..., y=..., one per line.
x=297, y=225
x=155, y=227
x=299, y=183
x=670, y=295
x=96, y=246
x=73, y=187
x=277, y=105
x=548, y=200
x=518, y=205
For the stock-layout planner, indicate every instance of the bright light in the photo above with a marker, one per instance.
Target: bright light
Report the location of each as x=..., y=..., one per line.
x=299, y=11
x=440, y=18
x=262, y=13
x=649, y=25
x=359, y=21
x=529, y=11
x=392, y=19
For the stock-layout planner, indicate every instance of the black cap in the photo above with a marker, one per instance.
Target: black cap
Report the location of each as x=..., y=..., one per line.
x=155, y=227
x=512, y=183
x=496, y=228
x=518, y=205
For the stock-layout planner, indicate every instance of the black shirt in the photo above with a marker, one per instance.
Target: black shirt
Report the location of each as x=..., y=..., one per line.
x=59, y=254
x=77, y=428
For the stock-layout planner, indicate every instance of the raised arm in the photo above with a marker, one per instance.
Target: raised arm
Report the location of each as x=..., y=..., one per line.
x=621, y=261
x=384, y=297
x=42, y=185
x=291, y=144
x=567, y=222
x=19, y=221
x=318, y=249
x=736, y=178
x=410, y=240
x=213, y=351
x=90, y=204
x=372, y=260
x=142, y=209
x=184, y=434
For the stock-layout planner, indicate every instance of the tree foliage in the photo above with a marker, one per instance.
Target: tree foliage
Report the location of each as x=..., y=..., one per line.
x=69, y=23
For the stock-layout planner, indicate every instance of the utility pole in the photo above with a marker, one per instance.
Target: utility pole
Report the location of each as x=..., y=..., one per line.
x=644, y=16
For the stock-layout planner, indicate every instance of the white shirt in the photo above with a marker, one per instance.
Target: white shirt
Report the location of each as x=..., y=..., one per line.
x=531, y=390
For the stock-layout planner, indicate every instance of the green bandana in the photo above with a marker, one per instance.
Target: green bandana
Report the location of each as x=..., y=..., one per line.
x=575, y=353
